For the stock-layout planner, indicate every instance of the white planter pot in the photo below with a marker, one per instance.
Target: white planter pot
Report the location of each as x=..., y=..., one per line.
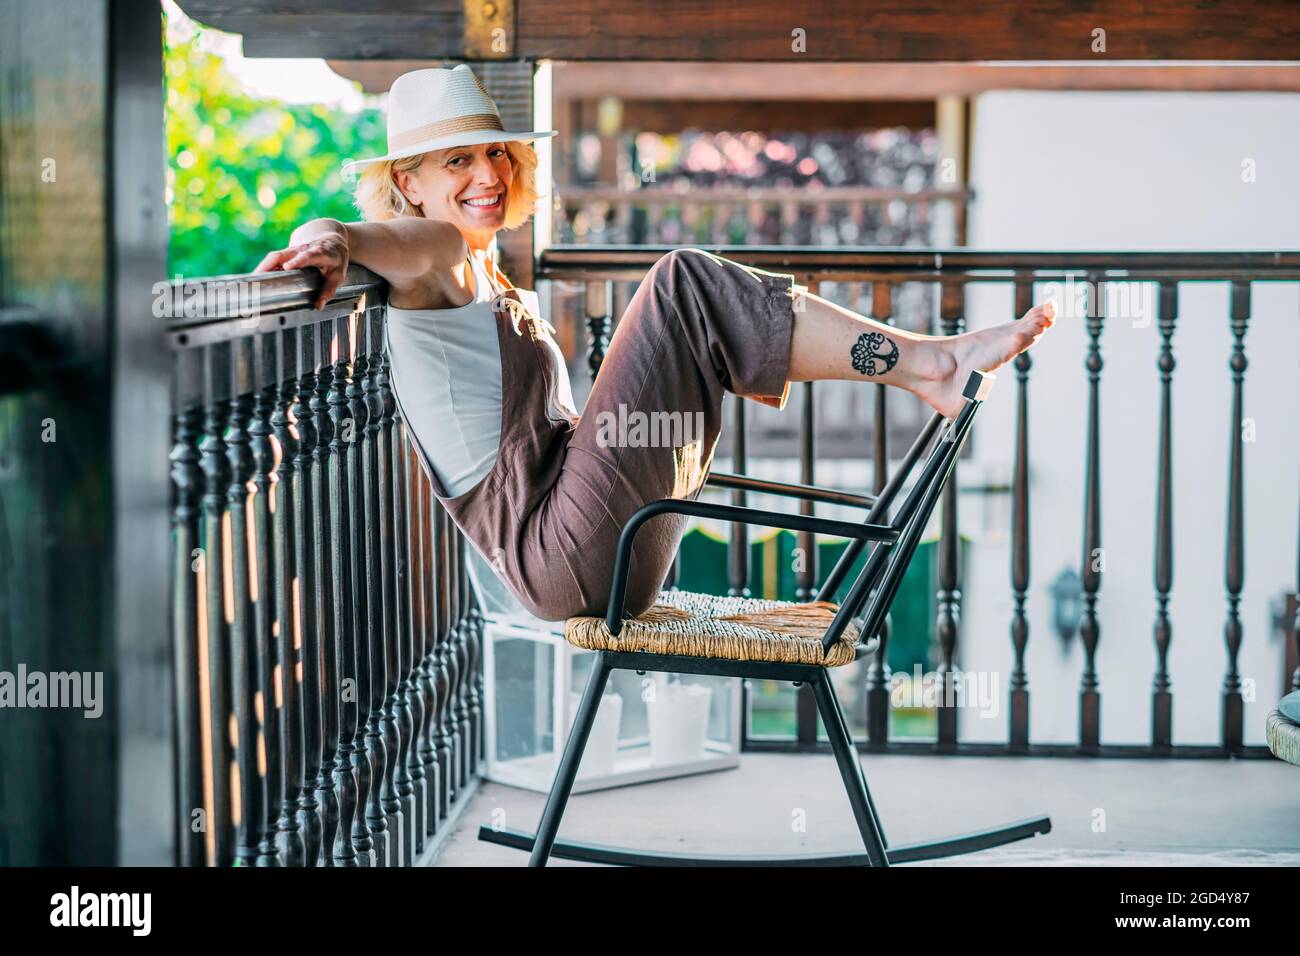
x=602, y=744
x=679, y=721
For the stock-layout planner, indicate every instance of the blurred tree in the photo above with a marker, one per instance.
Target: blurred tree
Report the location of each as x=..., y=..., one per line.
x=243, y=171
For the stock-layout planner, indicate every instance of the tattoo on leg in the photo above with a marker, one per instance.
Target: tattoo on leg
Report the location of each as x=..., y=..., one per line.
x=874, y=354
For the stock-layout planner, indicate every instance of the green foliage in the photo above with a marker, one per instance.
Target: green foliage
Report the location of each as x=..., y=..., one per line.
x=243, y=171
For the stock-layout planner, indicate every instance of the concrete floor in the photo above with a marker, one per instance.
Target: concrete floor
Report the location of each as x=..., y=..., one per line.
x=1104, y=811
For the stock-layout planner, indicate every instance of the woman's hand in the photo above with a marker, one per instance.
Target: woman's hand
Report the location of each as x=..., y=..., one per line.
x=327, y=253
x=407, y=253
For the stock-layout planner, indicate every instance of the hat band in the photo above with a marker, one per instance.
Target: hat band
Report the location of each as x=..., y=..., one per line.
x=461, y=124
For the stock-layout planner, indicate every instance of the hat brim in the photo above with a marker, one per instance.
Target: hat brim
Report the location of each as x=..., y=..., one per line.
x=474, y=138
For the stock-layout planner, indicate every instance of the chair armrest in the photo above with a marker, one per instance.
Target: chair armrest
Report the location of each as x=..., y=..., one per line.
x=832, y=496
x=704, y=509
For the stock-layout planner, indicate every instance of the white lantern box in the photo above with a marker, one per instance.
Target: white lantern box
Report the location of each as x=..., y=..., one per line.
x=649, y=726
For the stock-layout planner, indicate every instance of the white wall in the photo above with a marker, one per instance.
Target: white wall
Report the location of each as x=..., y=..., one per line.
x=1080, y=171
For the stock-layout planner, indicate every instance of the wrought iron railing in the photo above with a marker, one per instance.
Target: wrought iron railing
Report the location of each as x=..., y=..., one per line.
x=953, y=272
x=329, y=696
x=326, y=642
x=744, y=215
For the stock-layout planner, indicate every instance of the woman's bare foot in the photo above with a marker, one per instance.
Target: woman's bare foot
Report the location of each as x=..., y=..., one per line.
x=956, y=357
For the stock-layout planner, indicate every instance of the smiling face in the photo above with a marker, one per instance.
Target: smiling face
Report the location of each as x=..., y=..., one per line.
x=468, y=186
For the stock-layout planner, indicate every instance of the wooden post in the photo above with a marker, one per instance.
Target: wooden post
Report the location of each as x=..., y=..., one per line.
x=85, y=502
x=510, y=84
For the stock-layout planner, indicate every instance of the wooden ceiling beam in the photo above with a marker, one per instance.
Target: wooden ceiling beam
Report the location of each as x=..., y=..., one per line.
x=674, y=115
x=856, y=82
x=908, y=30
x=867, y=31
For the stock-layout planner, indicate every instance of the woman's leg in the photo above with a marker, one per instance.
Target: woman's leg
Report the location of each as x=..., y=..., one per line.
x=698, y=327
x=832, y=342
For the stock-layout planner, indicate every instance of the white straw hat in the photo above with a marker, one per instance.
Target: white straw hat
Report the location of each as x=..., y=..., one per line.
x=441, y=107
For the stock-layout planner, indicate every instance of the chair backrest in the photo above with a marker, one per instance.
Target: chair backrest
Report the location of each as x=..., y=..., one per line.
x=883, y=571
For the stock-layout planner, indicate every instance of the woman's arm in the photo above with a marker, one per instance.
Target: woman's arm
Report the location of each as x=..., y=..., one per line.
x=406, y=252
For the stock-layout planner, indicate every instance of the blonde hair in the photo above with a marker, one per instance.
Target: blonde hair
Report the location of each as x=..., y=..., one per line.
x=378, y=198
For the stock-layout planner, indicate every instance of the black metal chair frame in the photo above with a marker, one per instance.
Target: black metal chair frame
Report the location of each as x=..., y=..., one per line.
x=877, y=582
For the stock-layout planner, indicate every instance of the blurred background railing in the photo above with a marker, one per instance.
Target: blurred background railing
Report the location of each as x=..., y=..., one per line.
x=739, y=216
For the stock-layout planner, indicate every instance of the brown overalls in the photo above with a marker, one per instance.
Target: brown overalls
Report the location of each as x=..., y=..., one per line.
x=547, y=516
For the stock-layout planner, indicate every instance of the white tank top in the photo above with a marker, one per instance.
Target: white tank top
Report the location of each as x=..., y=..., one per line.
x=446, y=370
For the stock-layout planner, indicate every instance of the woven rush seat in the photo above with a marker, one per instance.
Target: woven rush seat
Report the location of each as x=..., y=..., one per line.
x=689, y=624
x=1283, y=736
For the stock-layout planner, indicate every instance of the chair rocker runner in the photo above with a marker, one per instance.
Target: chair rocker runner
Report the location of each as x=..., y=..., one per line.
x=690, y=633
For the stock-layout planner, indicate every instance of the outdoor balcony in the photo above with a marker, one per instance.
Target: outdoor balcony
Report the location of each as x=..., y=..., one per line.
x=1147, y=792
x=209, y=499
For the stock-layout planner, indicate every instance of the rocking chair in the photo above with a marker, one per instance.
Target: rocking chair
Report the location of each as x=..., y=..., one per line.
x=691, y=633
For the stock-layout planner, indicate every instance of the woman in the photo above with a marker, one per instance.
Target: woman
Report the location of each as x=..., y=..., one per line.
x=541, y=492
